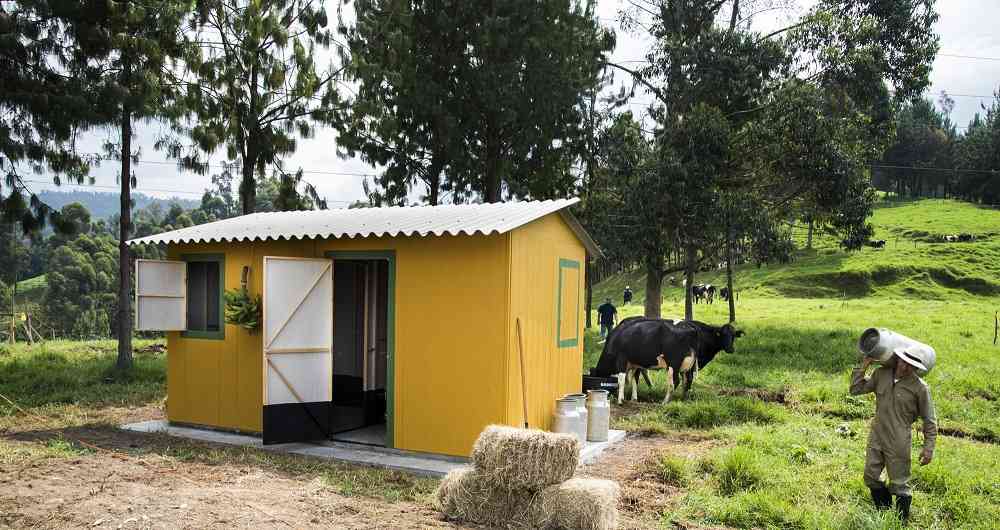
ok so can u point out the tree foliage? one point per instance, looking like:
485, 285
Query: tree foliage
784, 121
480, 99
255, 84
82, 275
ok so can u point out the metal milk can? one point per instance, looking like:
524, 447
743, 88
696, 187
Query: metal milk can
566, 418
581, 409
880, 344
598, 415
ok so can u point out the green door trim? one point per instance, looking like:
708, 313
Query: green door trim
571, 342
390, 324
221, 260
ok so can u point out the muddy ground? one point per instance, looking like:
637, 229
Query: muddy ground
117, 479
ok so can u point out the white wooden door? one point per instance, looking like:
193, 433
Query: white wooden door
298, 341
160, 295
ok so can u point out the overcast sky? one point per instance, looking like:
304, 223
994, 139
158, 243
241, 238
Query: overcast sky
968, 28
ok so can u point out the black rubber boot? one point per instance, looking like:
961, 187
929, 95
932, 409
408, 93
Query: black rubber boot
903, 507
881, 498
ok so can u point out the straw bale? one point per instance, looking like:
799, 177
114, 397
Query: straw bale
579, 503
530, 459
464, 495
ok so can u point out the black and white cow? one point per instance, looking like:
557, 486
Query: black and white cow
680, 347
703, 292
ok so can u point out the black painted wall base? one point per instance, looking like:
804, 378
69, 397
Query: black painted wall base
296, 422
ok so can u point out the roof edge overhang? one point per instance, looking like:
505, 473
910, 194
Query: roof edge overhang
194, 234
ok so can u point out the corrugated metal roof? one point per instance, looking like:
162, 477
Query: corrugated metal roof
468, 219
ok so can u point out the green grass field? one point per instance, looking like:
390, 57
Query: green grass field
797, 463
32, 290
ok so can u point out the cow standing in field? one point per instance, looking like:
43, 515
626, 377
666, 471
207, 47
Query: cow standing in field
703, 293
680, 347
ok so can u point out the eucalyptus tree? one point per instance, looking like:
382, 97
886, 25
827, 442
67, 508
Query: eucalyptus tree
863, 55
256, 83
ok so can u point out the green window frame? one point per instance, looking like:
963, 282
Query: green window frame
575, 340
221, 260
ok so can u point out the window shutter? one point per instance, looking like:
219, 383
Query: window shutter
160, 295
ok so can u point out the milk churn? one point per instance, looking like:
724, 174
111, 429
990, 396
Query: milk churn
581, 409
881, 343
566, 418
598, 416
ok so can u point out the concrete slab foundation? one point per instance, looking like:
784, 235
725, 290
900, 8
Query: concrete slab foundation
411, 462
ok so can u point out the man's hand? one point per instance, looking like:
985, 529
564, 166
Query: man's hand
866, 362
926, 457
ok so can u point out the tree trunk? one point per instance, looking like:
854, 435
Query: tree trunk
729, 274
491, 187
589, 290
689, 263
654, 282
434, 180
124, 263
809, 236
492, 191
248, 186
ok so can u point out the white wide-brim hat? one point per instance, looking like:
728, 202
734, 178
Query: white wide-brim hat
911, 359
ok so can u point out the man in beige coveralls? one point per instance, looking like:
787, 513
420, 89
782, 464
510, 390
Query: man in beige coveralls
900, 397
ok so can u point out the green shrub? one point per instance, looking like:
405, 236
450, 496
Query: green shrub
739, 470
672, 470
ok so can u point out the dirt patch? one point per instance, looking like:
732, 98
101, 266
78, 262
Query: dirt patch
644, 499
985, 437
761, 394
100, 491
120, 479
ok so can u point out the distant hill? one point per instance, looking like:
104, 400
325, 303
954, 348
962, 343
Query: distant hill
916, 262
102, 204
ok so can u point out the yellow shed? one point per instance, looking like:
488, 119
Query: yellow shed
388, 326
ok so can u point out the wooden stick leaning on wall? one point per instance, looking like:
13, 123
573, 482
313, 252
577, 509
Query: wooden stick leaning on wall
524, 382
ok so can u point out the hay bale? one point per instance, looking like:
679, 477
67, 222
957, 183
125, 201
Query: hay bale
579, 503
529, 459
465, 495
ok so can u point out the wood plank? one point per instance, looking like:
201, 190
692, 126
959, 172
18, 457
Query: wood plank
298, 350
302, 300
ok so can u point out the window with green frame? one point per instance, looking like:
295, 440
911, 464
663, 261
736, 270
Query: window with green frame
568, 304
205, 284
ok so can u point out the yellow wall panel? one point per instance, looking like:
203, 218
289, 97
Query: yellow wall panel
551, 317
450, 376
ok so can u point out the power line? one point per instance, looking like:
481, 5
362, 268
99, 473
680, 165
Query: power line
952, 169
139, 189
980, 58
223, 166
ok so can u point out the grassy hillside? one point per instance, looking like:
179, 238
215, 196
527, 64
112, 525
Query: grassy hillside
787, 441
32, 290
914, 265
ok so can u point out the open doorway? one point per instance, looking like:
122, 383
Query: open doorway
360, 351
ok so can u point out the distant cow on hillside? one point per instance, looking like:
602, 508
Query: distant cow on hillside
703, 293
876, 243
680, 347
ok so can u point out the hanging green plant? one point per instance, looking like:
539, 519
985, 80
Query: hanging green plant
242, 310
